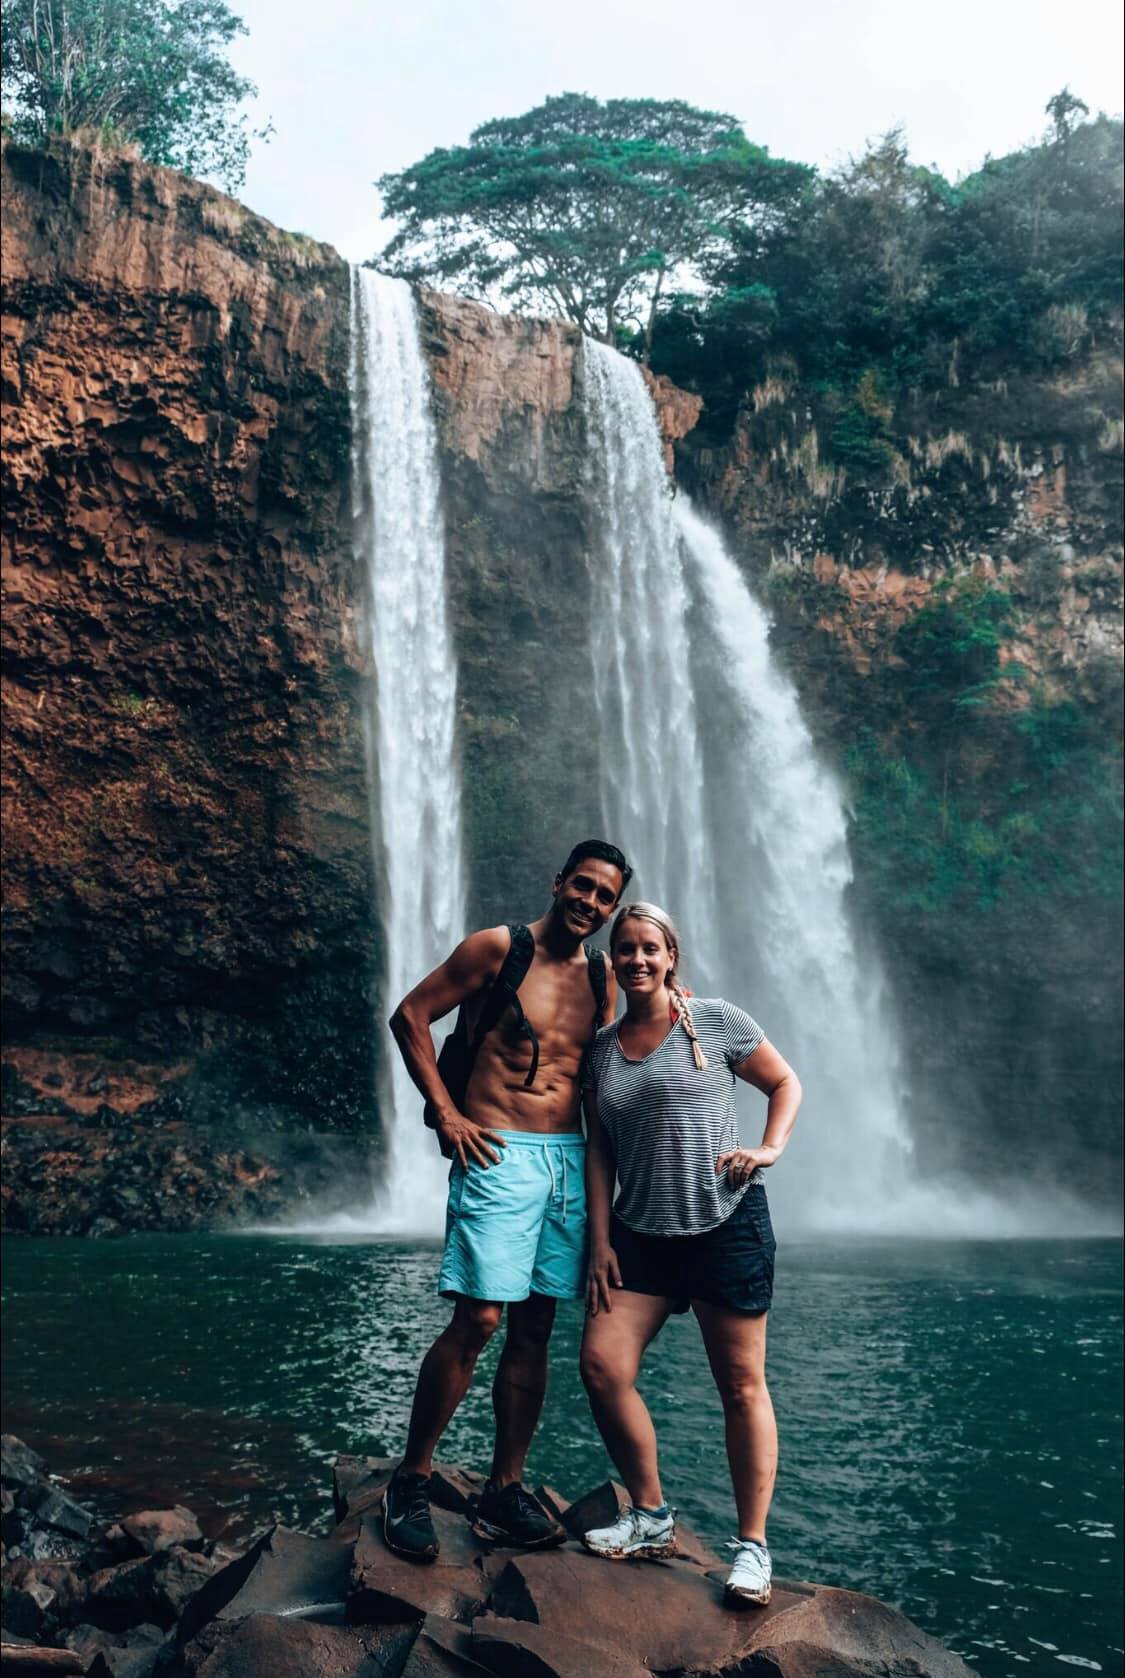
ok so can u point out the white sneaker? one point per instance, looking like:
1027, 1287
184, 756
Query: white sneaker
749, 1578
635, 1533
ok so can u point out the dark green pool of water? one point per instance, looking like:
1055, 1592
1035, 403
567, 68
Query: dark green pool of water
950, 1414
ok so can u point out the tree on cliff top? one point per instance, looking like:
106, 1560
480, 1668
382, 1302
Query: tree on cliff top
582, 207
152, 72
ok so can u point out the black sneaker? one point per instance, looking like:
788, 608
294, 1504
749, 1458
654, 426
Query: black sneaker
513, 1516
408, 1527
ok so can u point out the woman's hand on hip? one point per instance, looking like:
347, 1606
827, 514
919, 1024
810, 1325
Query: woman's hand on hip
741, 1163
602, 1274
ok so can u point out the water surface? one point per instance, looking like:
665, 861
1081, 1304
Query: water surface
950, 1413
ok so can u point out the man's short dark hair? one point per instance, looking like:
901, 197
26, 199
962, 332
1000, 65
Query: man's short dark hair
604, 852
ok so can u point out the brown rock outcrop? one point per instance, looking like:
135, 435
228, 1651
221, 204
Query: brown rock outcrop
280, 1606
187, 863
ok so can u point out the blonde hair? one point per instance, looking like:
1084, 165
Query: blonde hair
661, 918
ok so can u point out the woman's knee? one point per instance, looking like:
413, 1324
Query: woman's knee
601, 1372
742, 1389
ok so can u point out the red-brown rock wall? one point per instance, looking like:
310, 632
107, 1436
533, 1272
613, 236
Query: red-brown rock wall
187, 861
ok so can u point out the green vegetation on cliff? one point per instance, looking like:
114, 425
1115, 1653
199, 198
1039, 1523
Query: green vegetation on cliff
887, 280
152, 73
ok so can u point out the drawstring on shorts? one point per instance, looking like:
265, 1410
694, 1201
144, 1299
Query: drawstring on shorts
549, 1157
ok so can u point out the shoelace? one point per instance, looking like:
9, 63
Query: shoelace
417, 1501
525, 1503
750, 1544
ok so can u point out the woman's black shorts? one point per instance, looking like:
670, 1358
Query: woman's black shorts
730, 1265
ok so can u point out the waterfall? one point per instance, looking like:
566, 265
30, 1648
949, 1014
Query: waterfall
413, 775
643, 687
712, 786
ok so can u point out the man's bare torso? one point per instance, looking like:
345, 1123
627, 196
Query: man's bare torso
558, 999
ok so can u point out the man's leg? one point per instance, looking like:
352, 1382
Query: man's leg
736, 1349
444, 1378
520, 1385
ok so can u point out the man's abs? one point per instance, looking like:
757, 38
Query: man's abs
499, 1097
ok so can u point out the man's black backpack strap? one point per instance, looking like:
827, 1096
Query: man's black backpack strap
504, 995
598, 982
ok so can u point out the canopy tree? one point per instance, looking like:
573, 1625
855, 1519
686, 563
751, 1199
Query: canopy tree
148, 71
583, 208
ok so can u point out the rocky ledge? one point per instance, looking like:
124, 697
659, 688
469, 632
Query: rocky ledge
148, 1597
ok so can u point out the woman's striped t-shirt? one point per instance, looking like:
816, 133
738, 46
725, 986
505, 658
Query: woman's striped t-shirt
667, 1122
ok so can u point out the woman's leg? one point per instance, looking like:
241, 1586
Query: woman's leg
736, 1349
611, 1356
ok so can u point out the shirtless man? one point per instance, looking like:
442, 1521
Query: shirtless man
515, 1229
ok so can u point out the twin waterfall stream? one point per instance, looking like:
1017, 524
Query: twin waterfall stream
709, 781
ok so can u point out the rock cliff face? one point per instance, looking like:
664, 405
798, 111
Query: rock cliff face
1010, 494
187, 854
193, 957
192, 953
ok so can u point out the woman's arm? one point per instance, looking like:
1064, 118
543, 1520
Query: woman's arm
771, 1073
602, 1272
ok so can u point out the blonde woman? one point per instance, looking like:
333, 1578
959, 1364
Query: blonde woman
690, 1227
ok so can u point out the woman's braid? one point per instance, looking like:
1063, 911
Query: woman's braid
683, 1009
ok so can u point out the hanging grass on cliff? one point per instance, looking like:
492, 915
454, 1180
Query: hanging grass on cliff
152, 73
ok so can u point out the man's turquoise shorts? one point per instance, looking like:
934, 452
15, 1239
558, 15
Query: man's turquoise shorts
518, 1227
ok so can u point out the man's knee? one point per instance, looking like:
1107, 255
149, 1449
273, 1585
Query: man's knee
530, 1322
474, 1323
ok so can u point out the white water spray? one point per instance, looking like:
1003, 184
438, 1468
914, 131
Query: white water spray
713, 787
643, 690
413, 773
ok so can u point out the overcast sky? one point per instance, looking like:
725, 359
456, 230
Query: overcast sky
359, 87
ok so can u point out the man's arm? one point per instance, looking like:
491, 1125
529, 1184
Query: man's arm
473, 965
771, 1073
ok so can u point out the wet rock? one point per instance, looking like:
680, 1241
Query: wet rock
452, 1488
358, 1483
283, 1573
180, 1576
131, 1654
384, 1588
38, 1595
853, 1635
53, 1508
117, 1598
521, 1649
154, 1530
597, 1508
667, 1615
442, 1649
267, 1646
23, 1606
30, 1661
671, 1616
20, 1466
153, 1588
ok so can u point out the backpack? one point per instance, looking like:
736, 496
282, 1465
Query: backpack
459, 1051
